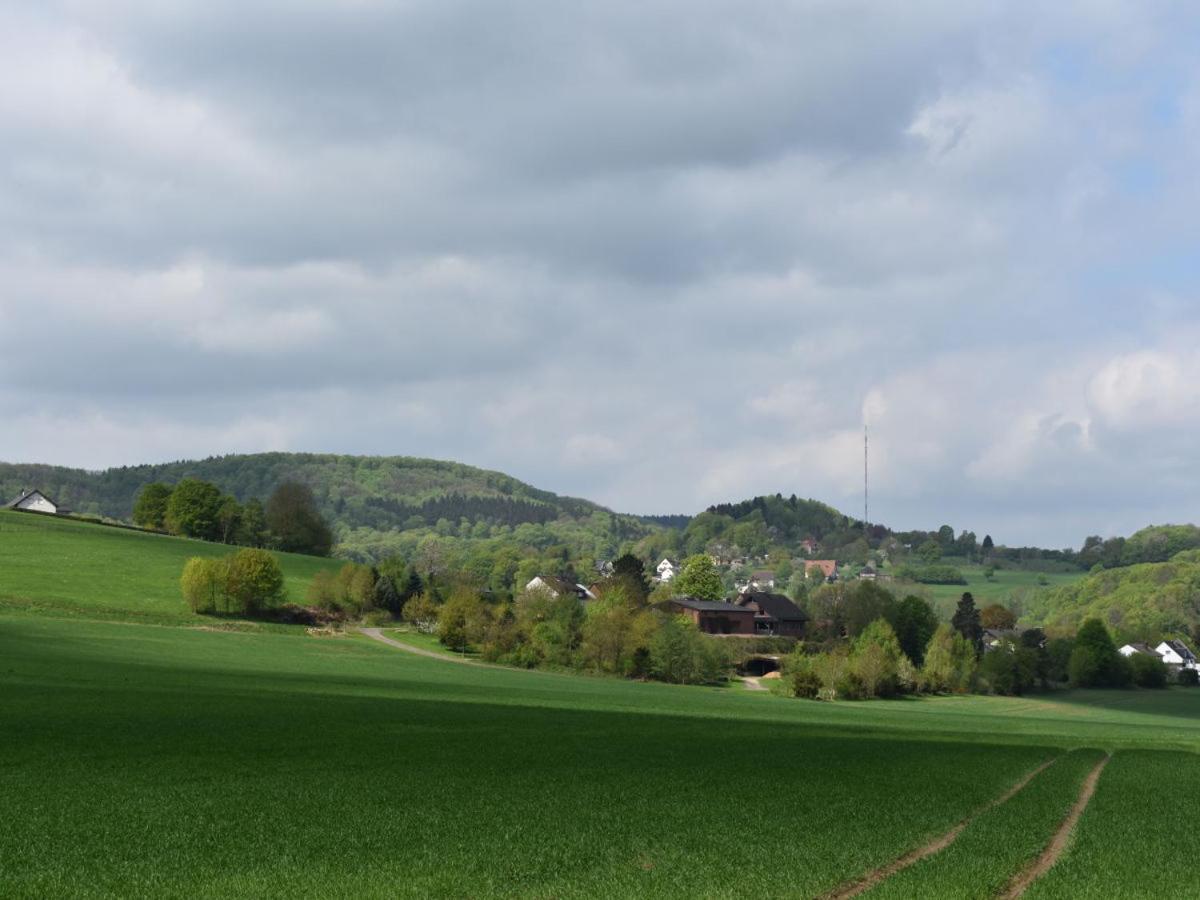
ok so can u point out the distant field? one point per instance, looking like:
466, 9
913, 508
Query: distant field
66, 567
150, 760
1005, 586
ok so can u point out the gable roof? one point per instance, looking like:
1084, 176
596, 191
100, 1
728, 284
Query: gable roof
775, 606
827, 566
26, 494
563, 586
1142, 648
762, 575
708, 605
1181, 648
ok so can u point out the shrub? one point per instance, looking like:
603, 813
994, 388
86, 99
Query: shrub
1189, 677
1148, 671
875, 660
422, 613
323, 591
802, 675
1008, 669
949, 662
203, 583
680, 654
1095, 661
254, 580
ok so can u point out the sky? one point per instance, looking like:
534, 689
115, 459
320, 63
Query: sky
657, 254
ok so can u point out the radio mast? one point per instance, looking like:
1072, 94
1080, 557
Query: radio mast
866, 482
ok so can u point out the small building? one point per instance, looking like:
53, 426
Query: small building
868, 573
828, 567
809, 546
1137, 647
774, 614
35, 501
1177, 653
762, 580
715, 617
558, 587
667, 569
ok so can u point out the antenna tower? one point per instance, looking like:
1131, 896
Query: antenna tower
866, 481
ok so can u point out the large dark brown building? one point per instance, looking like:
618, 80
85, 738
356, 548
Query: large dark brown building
716, 617
774, 614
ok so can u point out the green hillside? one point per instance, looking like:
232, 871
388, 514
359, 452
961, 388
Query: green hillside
61, 566
1139, 602
372, 491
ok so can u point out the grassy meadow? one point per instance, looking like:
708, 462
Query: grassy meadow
59, 566
142, 758
1005, 586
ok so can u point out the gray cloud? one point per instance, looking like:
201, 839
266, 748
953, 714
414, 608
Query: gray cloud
660, 255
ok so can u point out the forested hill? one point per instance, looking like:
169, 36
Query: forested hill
379, 493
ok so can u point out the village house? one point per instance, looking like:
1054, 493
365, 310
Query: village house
774, 614
808, 546
667, 569
828, 567
558, 587
35, 501
1177, 653
715, 617
868, 573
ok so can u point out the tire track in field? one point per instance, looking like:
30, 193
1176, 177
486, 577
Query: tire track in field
1062, 837
871, 879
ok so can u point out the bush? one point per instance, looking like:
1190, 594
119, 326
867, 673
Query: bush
949, 662
422, 613
1189, 677
254, 580
680, 654
203, 583
1008, 670
1095, 661
1148, 671
801, 675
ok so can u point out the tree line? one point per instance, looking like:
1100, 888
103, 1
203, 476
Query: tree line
289, 521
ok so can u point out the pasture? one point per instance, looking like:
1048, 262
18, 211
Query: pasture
153, 760
60, 566
1007, 585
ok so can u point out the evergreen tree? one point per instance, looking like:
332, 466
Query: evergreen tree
966, 621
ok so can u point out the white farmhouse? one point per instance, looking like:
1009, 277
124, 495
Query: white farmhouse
34, 501
1177, 653
667, 569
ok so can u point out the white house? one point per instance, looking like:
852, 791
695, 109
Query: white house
1131, 649
667, 569
557, 587
1177, 653
34, 501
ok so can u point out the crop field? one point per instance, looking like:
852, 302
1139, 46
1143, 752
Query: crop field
65, 567
152, 760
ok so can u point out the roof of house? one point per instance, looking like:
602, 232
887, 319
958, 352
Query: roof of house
562, 585
26, 494
762, 575
1181, 648
709, 605
828, 566
1142, 648
777, 606
867, 570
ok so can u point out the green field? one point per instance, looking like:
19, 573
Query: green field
1004, 587
61, 566
142, 758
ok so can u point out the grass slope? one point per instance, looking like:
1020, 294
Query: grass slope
1005, 586
150, 760
65, 567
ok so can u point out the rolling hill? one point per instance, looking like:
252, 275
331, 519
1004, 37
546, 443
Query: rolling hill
380, 492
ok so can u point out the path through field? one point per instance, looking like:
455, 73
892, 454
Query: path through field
1058, 843
378, 635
